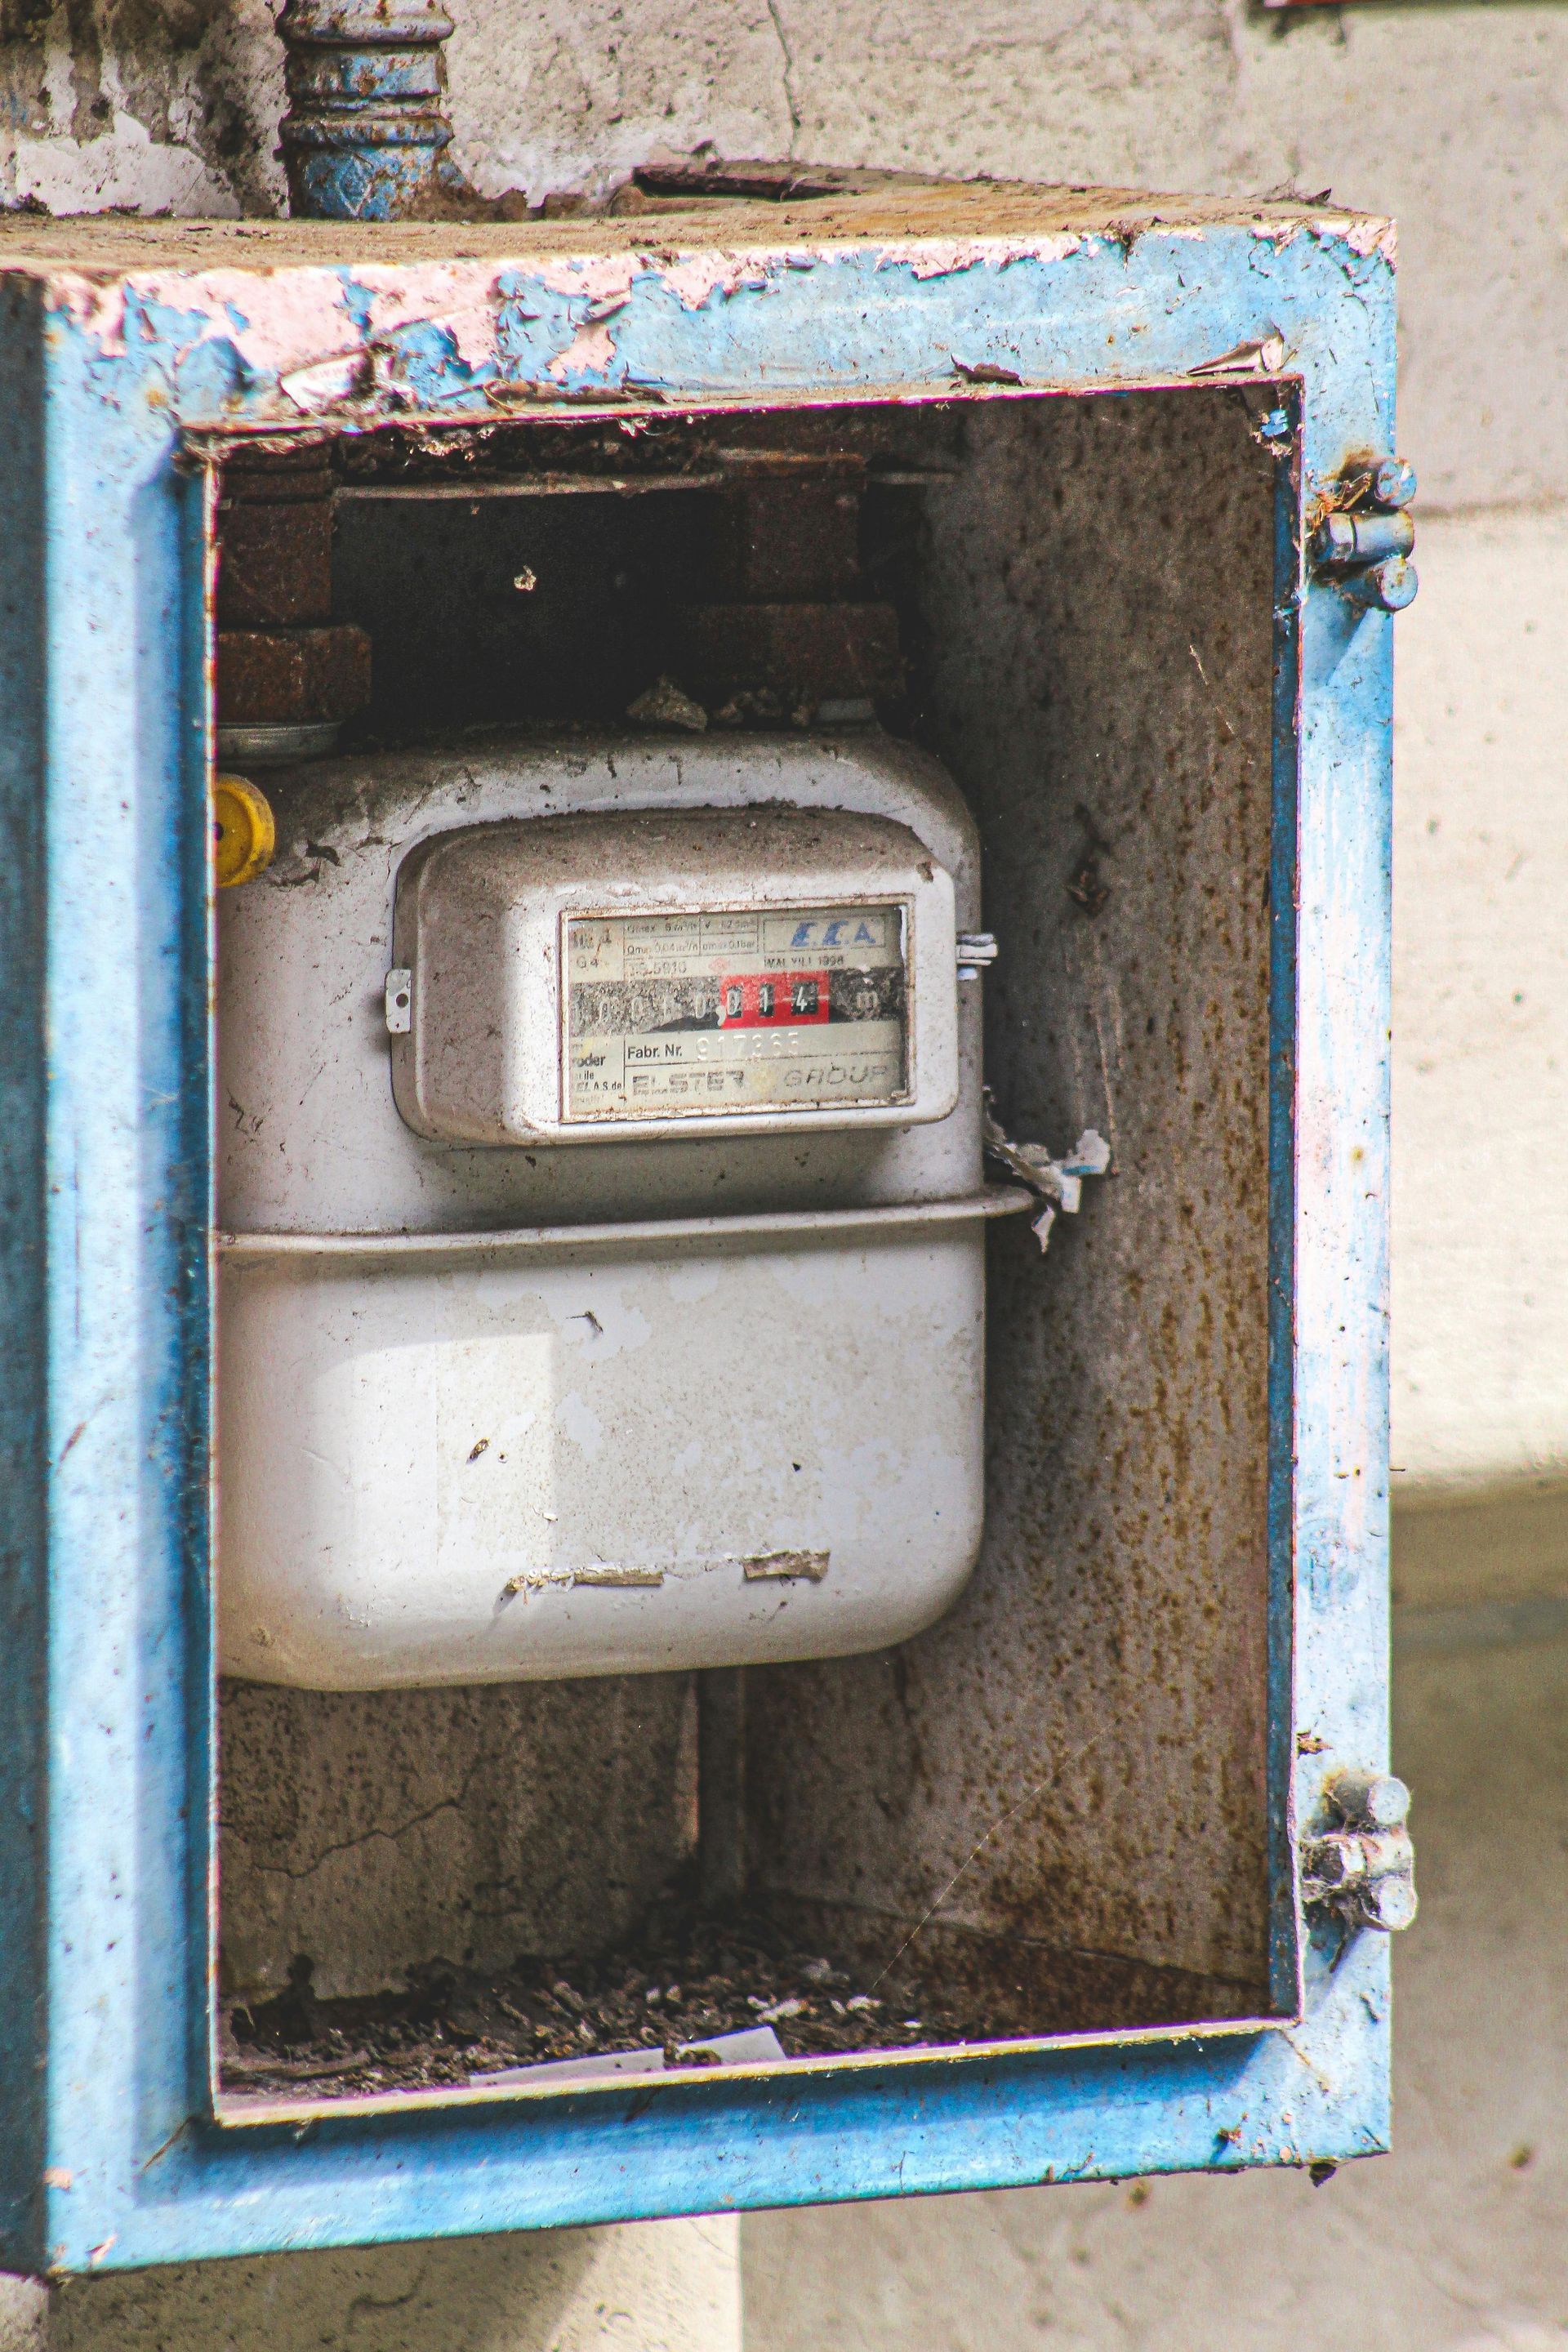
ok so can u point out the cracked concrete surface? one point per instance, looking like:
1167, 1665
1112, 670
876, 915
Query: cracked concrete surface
151, 105
373, 1829
787, 76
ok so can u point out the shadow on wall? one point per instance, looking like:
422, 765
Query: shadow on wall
1461, 2230
1485, 1566
663, 2287
464, 2296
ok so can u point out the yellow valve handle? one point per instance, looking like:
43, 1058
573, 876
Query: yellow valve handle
244, 834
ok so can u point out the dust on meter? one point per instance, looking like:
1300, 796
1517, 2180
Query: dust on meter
638, 1321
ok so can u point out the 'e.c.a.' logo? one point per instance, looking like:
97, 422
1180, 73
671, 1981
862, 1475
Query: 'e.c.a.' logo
837, 931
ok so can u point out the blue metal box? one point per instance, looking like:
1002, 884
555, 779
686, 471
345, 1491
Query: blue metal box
134, 354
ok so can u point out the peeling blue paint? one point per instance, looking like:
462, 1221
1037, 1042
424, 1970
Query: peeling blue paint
856, 318
102, 796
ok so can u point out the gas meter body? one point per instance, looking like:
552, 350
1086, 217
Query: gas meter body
625, 1310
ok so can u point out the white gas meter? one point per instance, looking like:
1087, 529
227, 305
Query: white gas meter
587, 979
603, 1265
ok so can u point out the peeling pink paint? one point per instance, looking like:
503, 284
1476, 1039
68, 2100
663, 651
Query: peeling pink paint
600, 277
696, 278
464, 298
297, 322
283, 319
295, 325
99, 310
1365, 235
1372, 236
591, 352
290, 315
942, 256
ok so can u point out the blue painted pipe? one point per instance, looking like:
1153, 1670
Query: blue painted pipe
366, 125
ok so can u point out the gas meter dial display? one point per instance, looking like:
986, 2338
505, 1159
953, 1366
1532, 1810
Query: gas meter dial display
581, 979
746, 1008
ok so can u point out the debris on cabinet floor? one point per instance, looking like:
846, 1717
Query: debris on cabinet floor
672, 1998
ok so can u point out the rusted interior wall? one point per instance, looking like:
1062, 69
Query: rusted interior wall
374, 1829
1097, 598
1086, 605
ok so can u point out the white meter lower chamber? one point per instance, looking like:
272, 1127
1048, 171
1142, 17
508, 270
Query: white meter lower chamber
602, 1262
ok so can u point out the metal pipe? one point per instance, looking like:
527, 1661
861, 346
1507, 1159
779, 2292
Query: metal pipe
366, 126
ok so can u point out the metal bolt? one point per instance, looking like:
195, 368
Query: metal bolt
1365, 1872
1332, 1862
1333, 541
1389, 1903
1373, 1800
1355, 538
1386, 1853
1392, 482
1388, 587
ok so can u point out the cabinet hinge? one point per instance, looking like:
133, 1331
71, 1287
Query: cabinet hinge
1362, 546
1365, 1869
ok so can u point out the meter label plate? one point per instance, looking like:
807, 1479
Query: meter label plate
771, 1008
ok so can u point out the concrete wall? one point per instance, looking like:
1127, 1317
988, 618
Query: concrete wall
659, 2286
1455, 119
1480, 1096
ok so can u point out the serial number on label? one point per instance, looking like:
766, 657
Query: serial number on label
774, 1008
